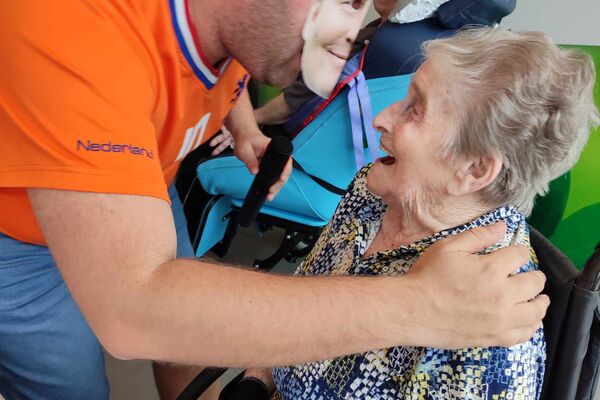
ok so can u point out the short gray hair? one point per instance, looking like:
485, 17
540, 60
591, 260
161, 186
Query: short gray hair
521, 96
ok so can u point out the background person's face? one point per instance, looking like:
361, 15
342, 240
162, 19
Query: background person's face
329, 32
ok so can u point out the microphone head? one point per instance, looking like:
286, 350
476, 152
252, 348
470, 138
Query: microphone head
276, 156
282, 145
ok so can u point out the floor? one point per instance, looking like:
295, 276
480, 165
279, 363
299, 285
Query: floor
132, 380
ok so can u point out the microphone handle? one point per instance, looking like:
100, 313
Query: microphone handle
271, 166
255, 199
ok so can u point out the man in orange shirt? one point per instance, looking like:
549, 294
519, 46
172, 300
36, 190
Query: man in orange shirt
99, 102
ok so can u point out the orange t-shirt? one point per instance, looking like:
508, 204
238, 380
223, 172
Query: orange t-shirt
101, 96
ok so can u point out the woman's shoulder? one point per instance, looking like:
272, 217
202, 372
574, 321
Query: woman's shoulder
517, 232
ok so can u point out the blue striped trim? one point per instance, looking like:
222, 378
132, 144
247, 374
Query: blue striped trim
184, 48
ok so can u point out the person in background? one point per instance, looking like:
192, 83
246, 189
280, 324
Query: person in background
279, 109
394, 48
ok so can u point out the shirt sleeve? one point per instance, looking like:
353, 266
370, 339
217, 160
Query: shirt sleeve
76, 100
515, 372
478, 373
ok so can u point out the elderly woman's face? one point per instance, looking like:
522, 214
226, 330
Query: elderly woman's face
412, 133
329, 32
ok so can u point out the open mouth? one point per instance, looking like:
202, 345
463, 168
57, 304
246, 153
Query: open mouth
387, 160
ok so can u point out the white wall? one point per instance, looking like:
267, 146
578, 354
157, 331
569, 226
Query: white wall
371, 15
566, 21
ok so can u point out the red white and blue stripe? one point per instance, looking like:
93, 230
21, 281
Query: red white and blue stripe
188, 41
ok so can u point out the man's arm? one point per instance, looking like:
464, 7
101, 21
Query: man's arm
274, 112
116, 254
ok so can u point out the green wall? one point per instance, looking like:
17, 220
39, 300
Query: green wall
569, 214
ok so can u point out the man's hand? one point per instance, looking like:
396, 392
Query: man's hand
250, 148
471, 300
250, 143
221, 141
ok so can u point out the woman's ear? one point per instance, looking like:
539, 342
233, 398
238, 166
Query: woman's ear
474, 174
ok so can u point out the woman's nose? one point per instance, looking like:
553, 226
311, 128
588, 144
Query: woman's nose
381, 122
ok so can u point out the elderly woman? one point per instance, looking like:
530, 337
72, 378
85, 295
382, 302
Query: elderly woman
490, 119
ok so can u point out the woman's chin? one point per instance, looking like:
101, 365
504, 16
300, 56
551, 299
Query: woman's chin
377, 178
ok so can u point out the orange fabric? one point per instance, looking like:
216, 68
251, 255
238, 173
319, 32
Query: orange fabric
97, 96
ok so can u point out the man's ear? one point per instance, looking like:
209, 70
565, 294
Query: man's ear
474, 174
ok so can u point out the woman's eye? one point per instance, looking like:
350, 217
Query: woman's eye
410, 107
411, 110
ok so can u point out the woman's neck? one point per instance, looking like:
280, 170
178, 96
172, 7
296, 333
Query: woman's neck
401, 226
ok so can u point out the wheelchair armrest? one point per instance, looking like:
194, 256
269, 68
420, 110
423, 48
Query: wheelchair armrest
590, 372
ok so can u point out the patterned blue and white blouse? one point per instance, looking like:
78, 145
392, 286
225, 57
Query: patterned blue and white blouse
408, 372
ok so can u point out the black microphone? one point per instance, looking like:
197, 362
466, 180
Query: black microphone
271, 166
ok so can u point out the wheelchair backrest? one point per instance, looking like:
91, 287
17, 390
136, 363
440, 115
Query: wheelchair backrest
571, 325
560, 273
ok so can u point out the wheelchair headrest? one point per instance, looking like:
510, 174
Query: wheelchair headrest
458, 13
